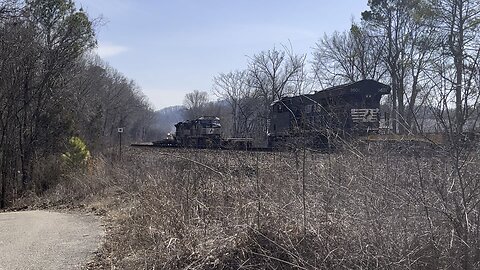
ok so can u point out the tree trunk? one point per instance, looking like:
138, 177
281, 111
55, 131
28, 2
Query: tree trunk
458, 50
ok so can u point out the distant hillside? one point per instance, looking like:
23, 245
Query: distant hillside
166, 118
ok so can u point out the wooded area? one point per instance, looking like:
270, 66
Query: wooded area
51, 89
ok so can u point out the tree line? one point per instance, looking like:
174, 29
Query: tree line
427, 50
53, 88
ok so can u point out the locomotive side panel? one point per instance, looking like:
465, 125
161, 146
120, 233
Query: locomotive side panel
346, 110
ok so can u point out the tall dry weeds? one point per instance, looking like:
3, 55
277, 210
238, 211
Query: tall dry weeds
379, 208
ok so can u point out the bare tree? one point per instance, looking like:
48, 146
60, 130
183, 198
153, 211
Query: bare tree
408, 27
274, 74
195, 102
348, 57
235, 89
273, 71
459, 21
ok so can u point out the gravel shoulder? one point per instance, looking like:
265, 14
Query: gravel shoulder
48, 240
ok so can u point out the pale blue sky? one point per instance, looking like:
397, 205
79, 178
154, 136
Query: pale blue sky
173, 47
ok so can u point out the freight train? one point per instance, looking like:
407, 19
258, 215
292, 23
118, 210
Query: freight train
343, 111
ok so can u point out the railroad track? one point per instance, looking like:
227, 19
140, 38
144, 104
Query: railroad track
171, 146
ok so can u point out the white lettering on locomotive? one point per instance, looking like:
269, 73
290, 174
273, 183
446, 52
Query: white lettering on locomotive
364, 115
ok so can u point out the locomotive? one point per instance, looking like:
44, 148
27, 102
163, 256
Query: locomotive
204, 132
348, 110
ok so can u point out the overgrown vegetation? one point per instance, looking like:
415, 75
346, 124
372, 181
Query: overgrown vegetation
385, 207
52, 89
376, 206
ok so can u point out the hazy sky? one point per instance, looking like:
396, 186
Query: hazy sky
173, 47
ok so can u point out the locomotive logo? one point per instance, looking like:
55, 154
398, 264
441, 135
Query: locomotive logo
364, 115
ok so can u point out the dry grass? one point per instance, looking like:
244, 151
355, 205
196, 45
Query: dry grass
205, 209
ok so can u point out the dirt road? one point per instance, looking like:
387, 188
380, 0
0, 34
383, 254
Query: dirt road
47, 240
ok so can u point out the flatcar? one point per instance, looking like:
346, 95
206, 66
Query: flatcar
342, 111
